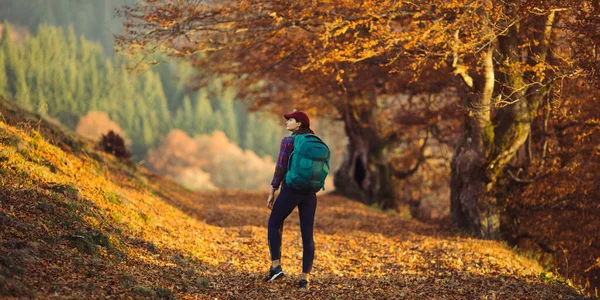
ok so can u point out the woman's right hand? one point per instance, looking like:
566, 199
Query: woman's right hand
271, 199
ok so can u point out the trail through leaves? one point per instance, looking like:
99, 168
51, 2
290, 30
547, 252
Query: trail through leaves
81, 224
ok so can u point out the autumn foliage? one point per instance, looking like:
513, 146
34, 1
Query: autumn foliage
176, 156
554, 199
209, 162
95, 124
80, 224
500, 62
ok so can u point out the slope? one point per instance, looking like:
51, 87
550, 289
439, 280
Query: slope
76, 223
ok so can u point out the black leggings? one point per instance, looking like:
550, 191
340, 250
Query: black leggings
287, 200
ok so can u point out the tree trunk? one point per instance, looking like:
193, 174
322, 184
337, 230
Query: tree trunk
487, 144
365, 173
472, 205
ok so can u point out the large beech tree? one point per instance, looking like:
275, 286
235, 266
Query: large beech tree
269, 46
501, 57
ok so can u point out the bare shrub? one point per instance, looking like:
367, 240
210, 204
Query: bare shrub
114, 144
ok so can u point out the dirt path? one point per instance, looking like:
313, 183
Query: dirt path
363, 253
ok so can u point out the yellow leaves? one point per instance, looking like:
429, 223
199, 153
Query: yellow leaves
220, 237
338, 77
592, 121
341, 30
276, 17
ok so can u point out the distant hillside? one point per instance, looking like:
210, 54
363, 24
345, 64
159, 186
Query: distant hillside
77, 223
72, 215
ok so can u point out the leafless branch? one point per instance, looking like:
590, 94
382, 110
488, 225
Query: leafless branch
517, 179
460, 69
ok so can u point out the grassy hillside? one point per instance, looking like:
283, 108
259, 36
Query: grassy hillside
82, 224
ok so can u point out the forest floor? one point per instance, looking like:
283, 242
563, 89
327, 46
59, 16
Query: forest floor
77, 223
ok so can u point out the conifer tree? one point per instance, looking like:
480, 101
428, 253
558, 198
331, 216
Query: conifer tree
72, 42
250, 132
22, 94
218, 121
69, 76
3, 77
204, 118
127, 110
148, 132
12, 64
172, 84
226, 101
187, 116
241, 116
160, 108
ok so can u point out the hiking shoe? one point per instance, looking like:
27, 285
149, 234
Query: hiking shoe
303, 284
274, 273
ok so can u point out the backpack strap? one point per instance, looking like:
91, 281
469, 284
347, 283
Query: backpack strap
289, 162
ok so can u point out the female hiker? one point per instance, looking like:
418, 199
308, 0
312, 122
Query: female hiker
298, 189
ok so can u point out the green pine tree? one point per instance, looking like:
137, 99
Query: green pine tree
148, 133
250, 132
22, 94
126, 104
72, 43
218, 121
227, 98
187, 116
172, 83
157, 102
13, 64
205, 120
242, 116
267, 137
3, 77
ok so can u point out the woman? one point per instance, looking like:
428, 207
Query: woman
288, 199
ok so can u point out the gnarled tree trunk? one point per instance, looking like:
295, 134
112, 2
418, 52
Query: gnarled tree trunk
472, 205
365, 173
488, 144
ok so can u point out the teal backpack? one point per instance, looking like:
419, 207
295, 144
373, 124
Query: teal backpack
309, 164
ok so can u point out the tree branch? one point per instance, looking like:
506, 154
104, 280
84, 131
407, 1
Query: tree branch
460, 69
517, 179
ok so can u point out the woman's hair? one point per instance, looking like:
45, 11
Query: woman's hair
305, 129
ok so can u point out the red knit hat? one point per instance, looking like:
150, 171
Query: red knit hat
299, 117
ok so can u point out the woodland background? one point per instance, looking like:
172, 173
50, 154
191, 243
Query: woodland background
60, 62
398, 123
